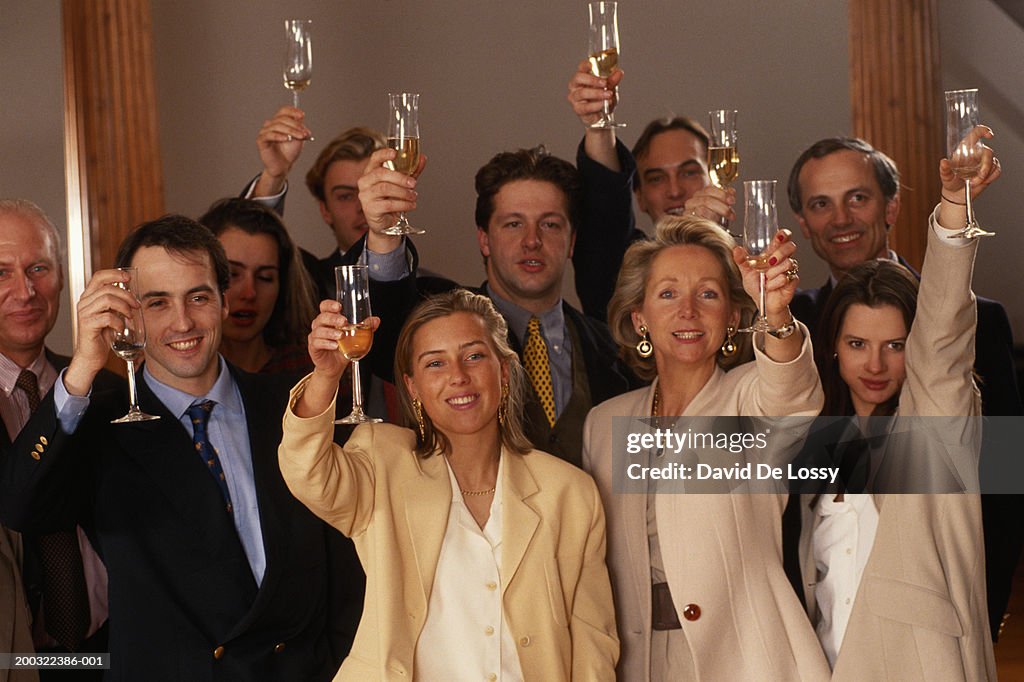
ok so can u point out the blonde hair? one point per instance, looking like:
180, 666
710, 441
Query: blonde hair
631, 286
510, 428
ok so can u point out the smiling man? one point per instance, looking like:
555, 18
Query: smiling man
216, 571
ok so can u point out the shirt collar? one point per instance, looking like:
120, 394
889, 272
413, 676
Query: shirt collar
552, 320
9, 371
224, 392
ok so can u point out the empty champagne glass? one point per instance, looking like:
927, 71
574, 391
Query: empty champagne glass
353, 283
603, 51
964, 158
760, 223
128, 344
404, 137
298, 58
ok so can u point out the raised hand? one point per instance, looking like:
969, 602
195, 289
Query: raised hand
279, 143
384, 193
781, 280
713, 203
101, 307
588, 93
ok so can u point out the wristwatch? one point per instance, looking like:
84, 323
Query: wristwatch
786, 330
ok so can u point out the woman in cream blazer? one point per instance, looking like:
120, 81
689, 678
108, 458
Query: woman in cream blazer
737, 617
406, 497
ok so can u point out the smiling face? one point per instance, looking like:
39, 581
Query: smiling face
528, 243
844, 213
255, 283
457, 376
30, 286
870, 353
673, 168
686, 307
340, 208
184, 313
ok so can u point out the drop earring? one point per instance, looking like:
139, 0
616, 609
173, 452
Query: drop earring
643, 347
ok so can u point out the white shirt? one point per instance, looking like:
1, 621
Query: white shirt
465, 636
841, 544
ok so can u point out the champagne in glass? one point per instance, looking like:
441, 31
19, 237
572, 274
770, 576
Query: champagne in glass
760, 223
404, 137
964, 157
603, 51
298, 59
353, 283
723, 152
128, 344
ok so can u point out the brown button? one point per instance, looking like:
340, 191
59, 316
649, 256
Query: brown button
279, 647
218, 653
524, 641
691, 612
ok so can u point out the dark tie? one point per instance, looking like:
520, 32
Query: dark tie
200, 415
65, 597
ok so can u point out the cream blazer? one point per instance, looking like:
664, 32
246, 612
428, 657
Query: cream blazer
722, 553
394, 505
920, 612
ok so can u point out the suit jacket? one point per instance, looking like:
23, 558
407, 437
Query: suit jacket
920, 610
555, 591
721, 552
183, 601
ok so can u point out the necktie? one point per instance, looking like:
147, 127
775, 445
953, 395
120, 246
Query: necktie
535, 359
65, 597
200, 415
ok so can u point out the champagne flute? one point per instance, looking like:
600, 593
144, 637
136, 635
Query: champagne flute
298, 58
760, 223
603, 51
353, 283
964, 158
404, 137
723, 153
128, 344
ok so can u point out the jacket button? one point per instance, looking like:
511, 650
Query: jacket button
218, 653
524, 641
691, 612
279, 647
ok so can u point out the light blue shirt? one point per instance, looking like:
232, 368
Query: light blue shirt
229, 434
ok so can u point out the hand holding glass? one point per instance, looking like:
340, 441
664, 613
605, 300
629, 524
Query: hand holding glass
298, 59
760, 223
964, 151
357, 336
128, 344
404, 137
603, 51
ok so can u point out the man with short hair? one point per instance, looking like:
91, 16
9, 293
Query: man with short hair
527, 208
845, 194
216, 571
58, 603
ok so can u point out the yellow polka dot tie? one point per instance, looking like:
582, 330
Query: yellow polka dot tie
535, 359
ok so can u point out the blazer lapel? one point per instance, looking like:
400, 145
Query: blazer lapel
634, 512
426, 519
519, 520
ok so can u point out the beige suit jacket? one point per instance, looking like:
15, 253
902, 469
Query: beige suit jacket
394, 505
722, 553
15, 622
920, 612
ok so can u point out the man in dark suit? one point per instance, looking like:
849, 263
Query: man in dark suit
845, 194
528, 205
216, 571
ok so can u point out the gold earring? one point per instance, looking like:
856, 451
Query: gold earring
417, 407
643, 347
728, 346
503, 405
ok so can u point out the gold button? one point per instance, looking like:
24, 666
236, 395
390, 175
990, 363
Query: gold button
492, 585
492, 677
39, 448
488, 630
279, 647
218, 653
35, 455
42, 439
524, 641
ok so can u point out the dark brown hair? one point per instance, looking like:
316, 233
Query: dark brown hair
181, 235
663, 125
527, 164
886, 173
355, 144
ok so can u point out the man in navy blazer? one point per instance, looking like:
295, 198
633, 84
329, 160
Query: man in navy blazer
845, 194
212, 577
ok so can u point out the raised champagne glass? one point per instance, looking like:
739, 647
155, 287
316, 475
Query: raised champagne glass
356, 336
298, 58
128, 344
964, 157
760, 223
723, 151
603, 52
404, 137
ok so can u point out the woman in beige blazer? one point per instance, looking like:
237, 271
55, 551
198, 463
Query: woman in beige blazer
918, 610
698, 579
484, 559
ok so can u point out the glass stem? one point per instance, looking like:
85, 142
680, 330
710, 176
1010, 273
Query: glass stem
357, 389
295, 98
762, 295
970, 204
133, 395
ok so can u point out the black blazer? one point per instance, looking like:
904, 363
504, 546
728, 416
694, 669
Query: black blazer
183, 601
